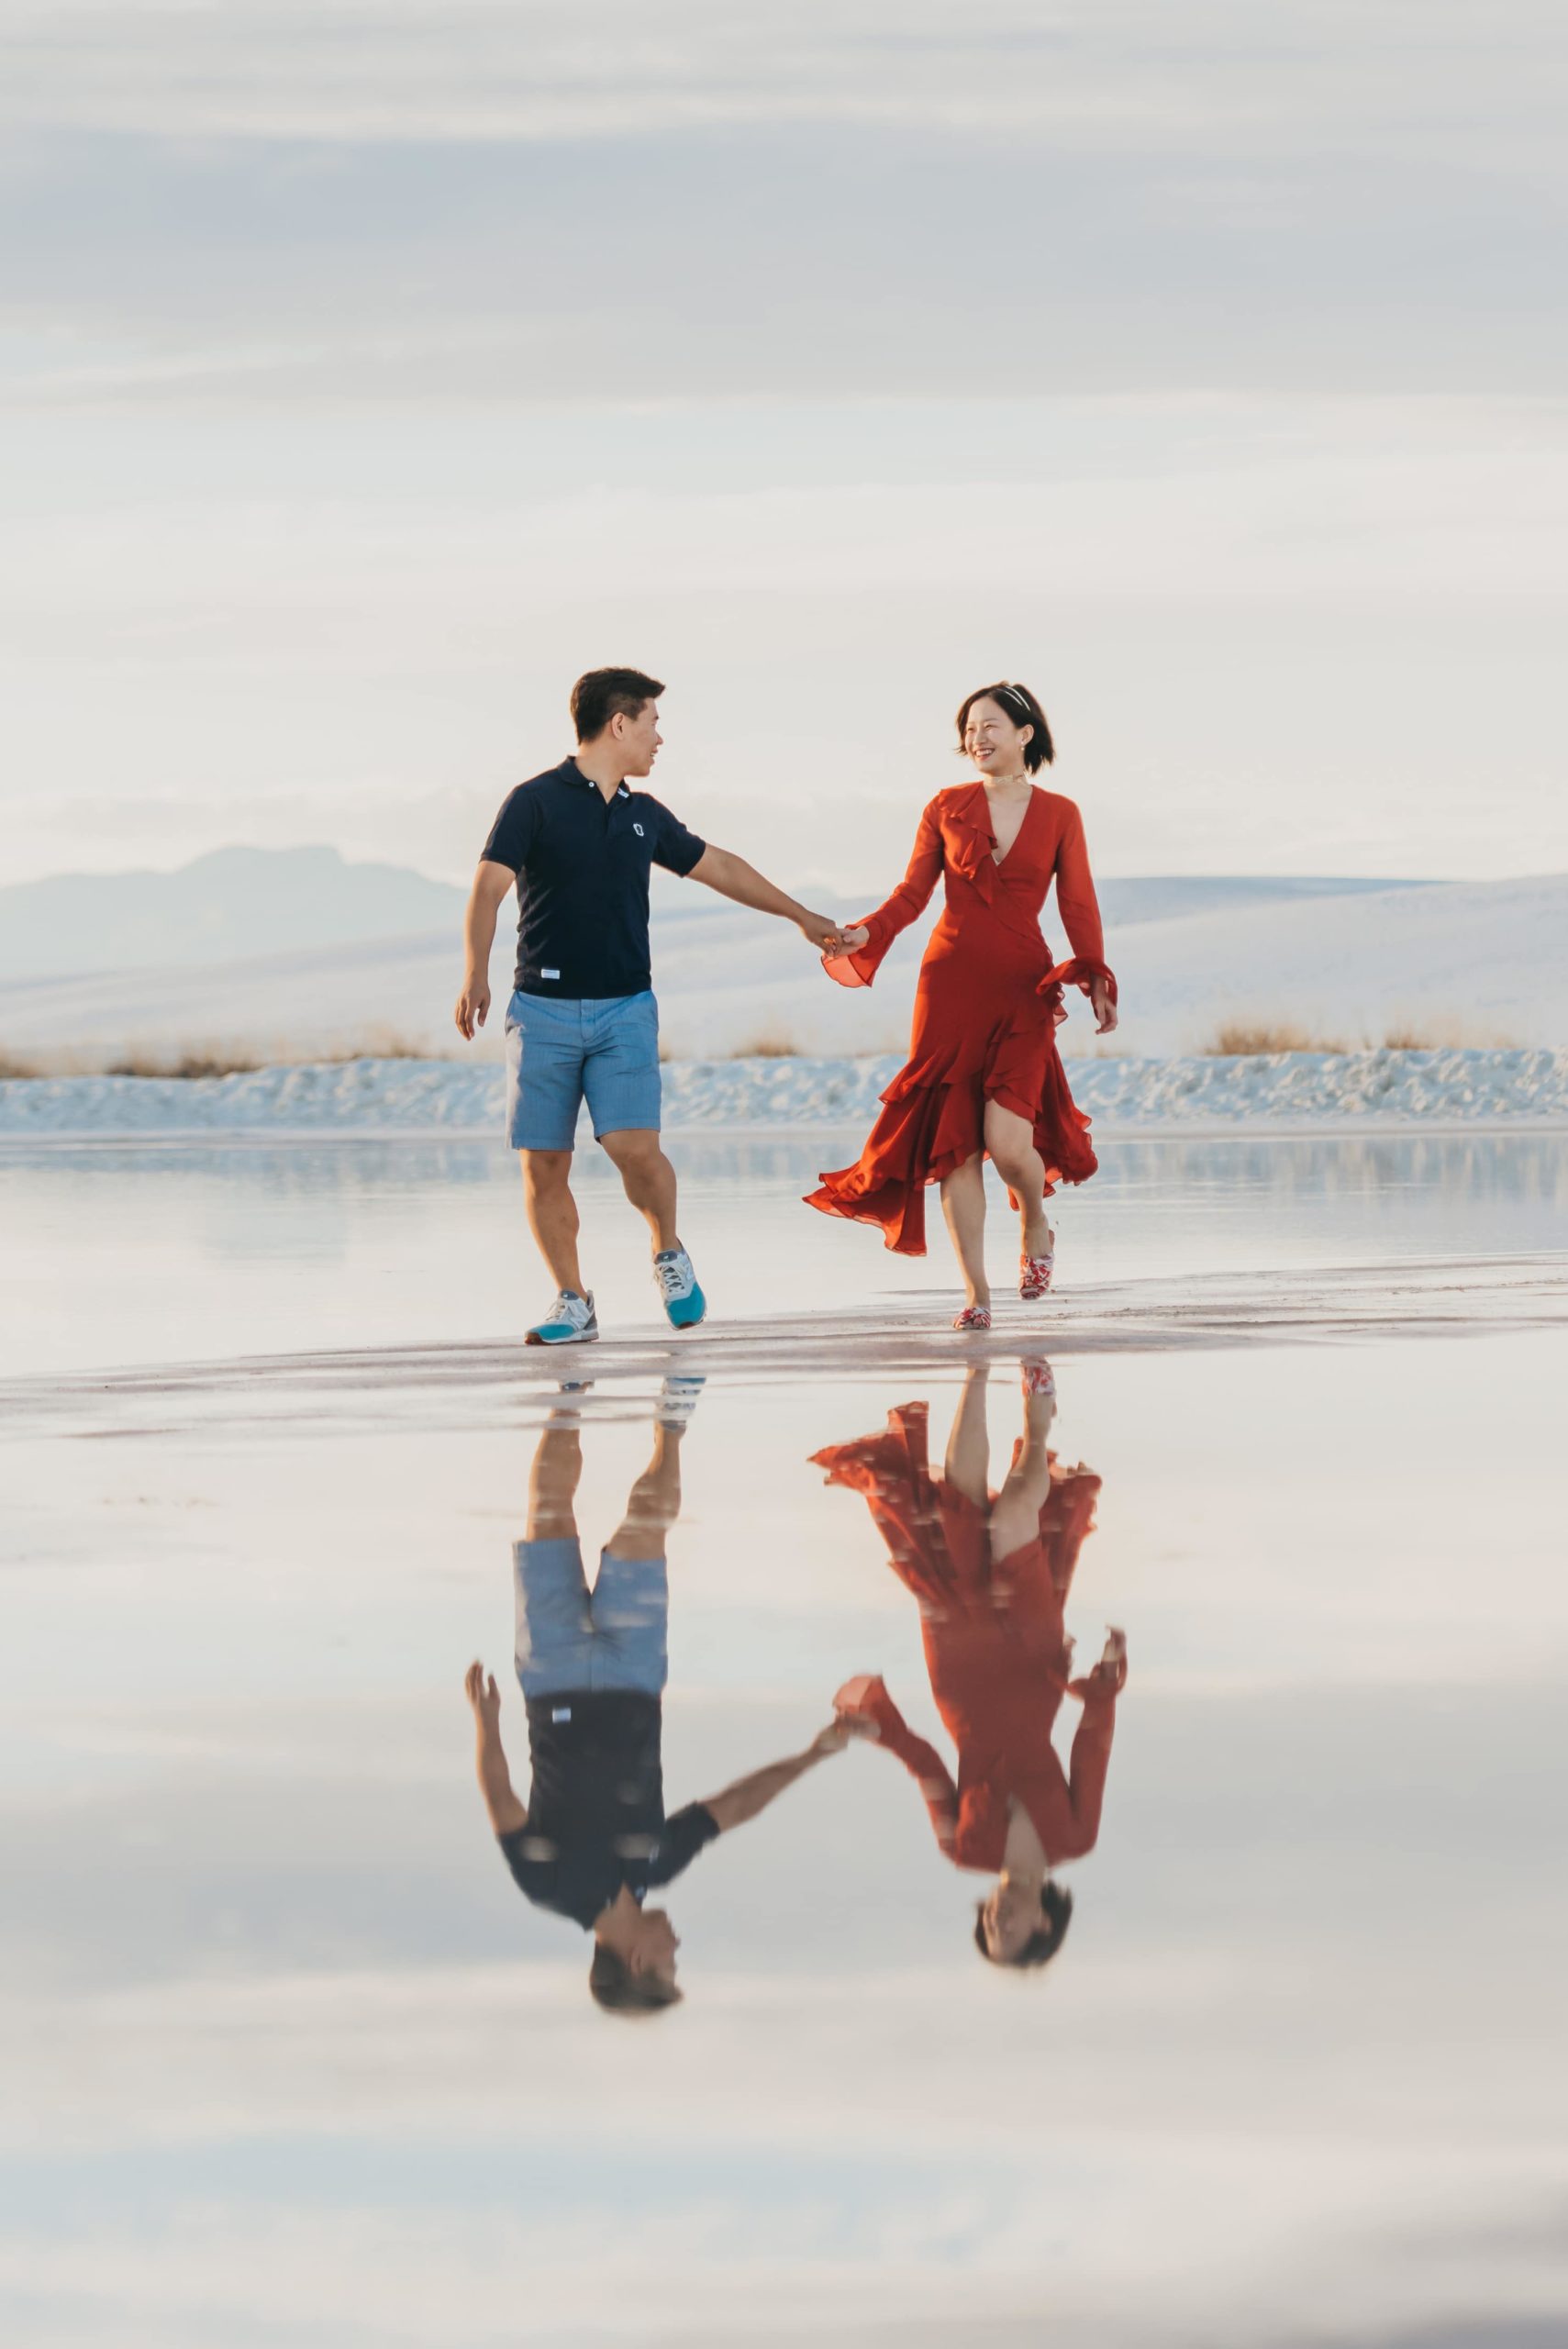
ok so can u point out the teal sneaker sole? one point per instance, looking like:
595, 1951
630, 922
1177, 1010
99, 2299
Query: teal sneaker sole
687, 1311
557, 1334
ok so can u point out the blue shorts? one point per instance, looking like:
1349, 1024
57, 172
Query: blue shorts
617, 1638
562, 1051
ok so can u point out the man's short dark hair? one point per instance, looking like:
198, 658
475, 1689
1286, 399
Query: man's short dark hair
603, 694
619, 1989
1056, 1914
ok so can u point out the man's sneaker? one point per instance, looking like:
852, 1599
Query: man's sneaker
678, 1400
684, 1303
570, 1320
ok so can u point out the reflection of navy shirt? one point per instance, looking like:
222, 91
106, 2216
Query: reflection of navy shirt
596, 1806
582, 864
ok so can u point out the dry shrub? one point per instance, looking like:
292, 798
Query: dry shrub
193, 1064
11, 1067
1444, 1035
771, 1046
193, 1061
1242, 1038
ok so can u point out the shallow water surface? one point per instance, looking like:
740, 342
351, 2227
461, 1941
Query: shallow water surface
114, 1255
295, 2058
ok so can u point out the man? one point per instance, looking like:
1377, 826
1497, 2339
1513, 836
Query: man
578, 841
592, 1838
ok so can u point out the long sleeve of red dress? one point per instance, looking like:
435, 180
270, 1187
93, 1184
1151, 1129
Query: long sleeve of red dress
907, 903
1080, 911
1087, 1770
922, 1761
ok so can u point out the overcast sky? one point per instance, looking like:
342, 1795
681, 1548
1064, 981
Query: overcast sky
370, 370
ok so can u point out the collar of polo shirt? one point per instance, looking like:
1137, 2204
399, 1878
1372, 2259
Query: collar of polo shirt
588, 784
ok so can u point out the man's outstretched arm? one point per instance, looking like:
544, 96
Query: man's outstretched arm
748, 1796
730, 874
491, 883
506, 1813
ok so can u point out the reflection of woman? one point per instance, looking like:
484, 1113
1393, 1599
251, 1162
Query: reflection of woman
983, 1076
992, 1572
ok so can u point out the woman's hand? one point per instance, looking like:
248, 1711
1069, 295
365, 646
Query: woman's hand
1103, 1006
851, 941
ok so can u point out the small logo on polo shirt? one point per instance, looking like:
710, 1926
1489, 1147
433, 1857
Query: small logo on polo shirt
549, 975
638, 830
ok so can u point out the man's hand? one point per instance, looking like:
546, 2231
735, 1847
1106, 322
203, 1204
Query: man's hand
825, 935
473, 1004
479, 1688
831, 1739
1104, 1008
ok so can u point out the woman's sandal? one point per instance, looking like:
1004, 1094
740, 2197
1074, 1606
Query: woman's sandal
1034, 1273
973, 1317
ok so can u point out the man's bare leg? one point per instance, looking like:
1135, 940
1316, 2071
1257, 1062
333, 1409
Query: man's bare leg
653, 1503
648, 1178
552, 1214
553, 1479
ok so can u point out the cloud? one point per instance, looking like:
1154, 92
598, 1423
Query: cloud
1117, 72
288, 205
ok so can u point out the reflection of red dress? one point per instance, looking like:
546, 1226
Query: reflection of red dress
996, 1648
985, 1011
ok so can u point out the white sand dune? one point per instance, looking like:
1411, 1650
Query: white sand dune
1465, 963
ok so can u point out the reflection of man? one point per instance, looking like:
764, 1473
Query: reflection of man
594, 1839
992, 1571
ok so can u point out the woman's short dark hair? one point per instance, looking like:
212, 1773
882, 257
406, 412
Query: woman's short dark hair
1055, 1906
620, 1991
1024, 710
603, 694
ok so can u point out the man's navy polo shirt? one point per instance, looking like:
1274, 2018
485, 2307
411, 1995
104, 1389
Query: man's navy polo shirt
582, 866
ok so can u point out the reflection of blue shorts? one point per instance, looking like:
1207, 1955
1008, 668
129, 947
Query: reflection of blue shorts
617, 1638
561, 1049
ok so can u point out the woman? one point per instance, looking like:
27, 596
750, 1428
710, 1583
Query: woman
991, 1572
983, 1076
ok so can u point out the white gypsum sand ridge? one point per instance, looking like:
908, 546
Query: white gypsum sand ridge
414, 1097
1460, 963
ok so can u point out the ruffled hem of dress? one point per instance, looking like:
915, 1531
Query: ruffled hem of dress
933, 1120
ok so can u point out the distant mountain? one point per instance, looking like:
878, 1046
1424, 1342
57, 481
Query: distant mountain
1462, 961
239, 904
228, 907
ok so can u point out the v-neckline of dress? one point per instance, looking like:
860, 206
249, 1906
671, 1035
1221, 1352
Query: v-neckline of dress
1029, 810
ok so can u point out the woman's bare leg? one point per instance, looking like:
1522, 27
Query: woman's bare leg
963, 1204
967, 1466
1015, 1520
1010, 1141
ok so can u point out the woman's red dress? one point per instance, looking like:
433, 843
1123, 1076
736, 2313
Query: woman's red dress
986, 1010
996, 1649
